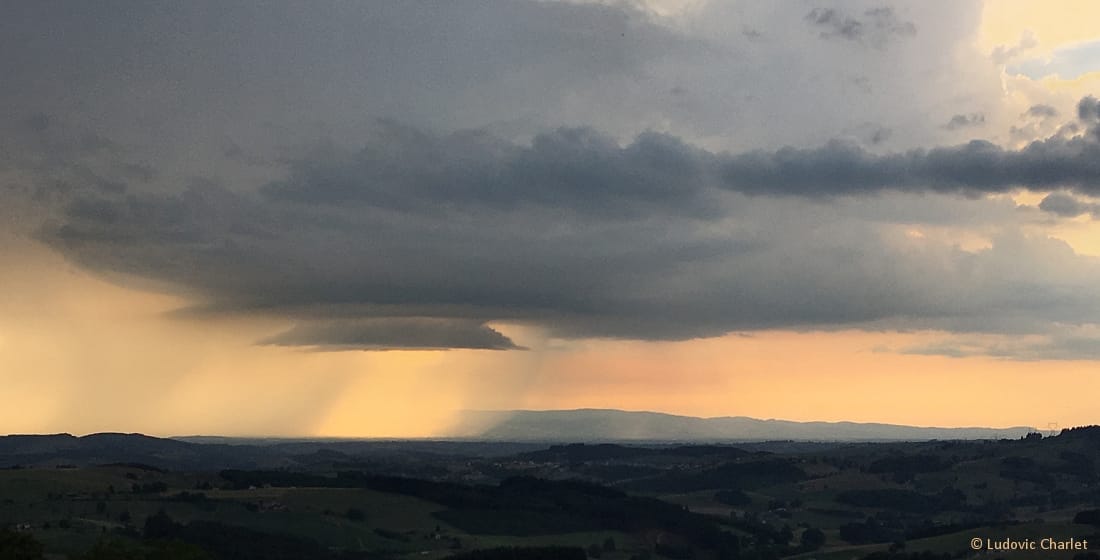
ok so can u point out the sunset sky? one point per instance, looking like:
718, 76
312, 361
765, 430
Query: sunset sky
358, 218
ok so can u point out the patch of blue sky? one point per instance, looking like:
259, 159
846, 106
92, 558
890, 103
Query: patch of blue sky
1066, 63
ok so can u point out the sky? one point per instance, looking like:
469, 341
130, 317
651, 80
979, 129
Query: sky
361, 218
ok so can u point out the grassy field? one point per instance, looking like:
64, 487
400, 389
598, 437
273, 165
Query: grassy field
861, 497
70, 509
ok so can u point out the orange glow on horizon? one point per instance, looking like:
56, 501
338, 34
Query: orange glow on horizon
835, 376
107, 359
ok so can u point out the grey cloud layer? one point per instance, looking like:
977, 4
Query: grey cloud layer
976, 167
1069, 345
876, 25
1042, 111
418, 240
571, 169
965, 121
180, 76
1067, 206
584, 171
587, 230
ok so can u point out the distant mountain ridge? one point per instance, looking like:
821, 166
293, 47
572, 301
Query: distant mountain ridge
479, 433
214, 453
589, 424
110, 447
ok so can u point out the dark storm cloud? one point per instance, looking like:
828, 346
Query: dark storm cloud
394, 334
965, 121
39, 142
1067, 206
184, 82
400, 236
879, 135
187, 79
973, 168
1042, 111
582, 171
577, 170
1088, 111
49, 161
876, 26
418, 240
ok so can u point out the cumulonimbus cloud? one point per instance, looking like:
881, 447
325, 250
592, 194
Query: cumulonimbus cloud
418, 240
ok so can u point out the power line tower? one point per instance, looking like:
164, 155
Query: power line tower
1052, 429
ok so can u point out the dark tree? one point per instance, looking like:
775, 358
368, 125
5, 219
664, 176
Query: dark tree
113, 549
19, 546
176, 550
1087, 517
812, 539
